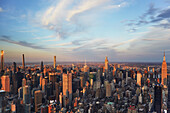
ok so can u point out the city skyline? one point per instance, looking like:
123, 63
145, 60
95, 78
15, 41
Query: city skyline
123, 30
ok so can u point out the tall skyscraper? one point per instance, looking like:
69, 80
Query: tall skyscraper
37, 100
2, 60
23, 62
42, 66
157, 99
15, 67
5, 81
26, 94
106, 64
108, 90
164, 71
67, 87
54, 62
139, 78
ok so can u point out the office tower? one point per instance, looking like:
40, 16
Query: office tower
42, 66
2, 95
23, 62
57, 91
15, 67
37, 100
67, 87
26, 94
44, 83
157, 99
24, 82
5, 81
106, 64
148, 69
61, 99
52, 78
82, 82
2, 60
139, 78
164, 71
54, 62
108, 90
85, 67
27, 108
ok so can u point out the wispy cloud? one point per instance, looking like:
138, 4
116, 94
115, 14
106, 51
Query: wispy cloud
21, 43
153, 16
28, 31
64, 17
83, 6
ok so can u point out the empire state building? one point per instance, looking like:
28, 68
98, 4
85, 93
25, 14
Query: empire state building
164, 71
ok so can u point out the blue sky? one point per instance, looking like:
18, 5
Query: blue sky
75, 30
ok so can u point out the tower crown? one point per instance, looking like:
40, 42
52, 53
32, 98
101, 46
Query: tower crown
164, 56
2, 52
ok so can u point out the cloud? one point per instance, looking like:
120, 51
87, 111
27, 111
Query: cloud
84, 6
28, 31
21, 43
165, 13
152, 16
68, 18
1, 10
123, 43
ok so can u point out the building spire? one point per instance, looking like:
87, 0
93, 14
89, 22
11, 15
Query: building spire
164, 56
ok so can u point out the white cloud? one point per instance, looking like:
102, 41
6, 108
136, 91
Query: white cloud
84, 6
59, 16
1, 10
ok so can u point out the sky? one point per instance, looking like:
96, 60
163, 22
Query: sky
75, 30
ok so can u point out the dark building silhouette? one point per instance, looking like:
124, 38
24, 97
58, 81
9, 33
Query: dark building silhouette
157, 98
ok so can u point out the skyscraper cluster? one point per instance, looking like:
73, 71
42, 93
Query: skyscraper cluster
84, 88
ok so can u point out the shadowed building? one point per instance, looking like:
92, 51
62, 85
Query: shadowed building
157, 99
164, 71
15, 67
42, 66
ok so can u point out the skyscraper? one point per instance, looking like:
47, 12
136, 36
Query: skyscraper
106, 64
67, 87
54, 62
2, 60
26, 94
108, 90
5, 81
139, 78
42, 66
164, 71
15, 67
157, 99
37, 100
23, 62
